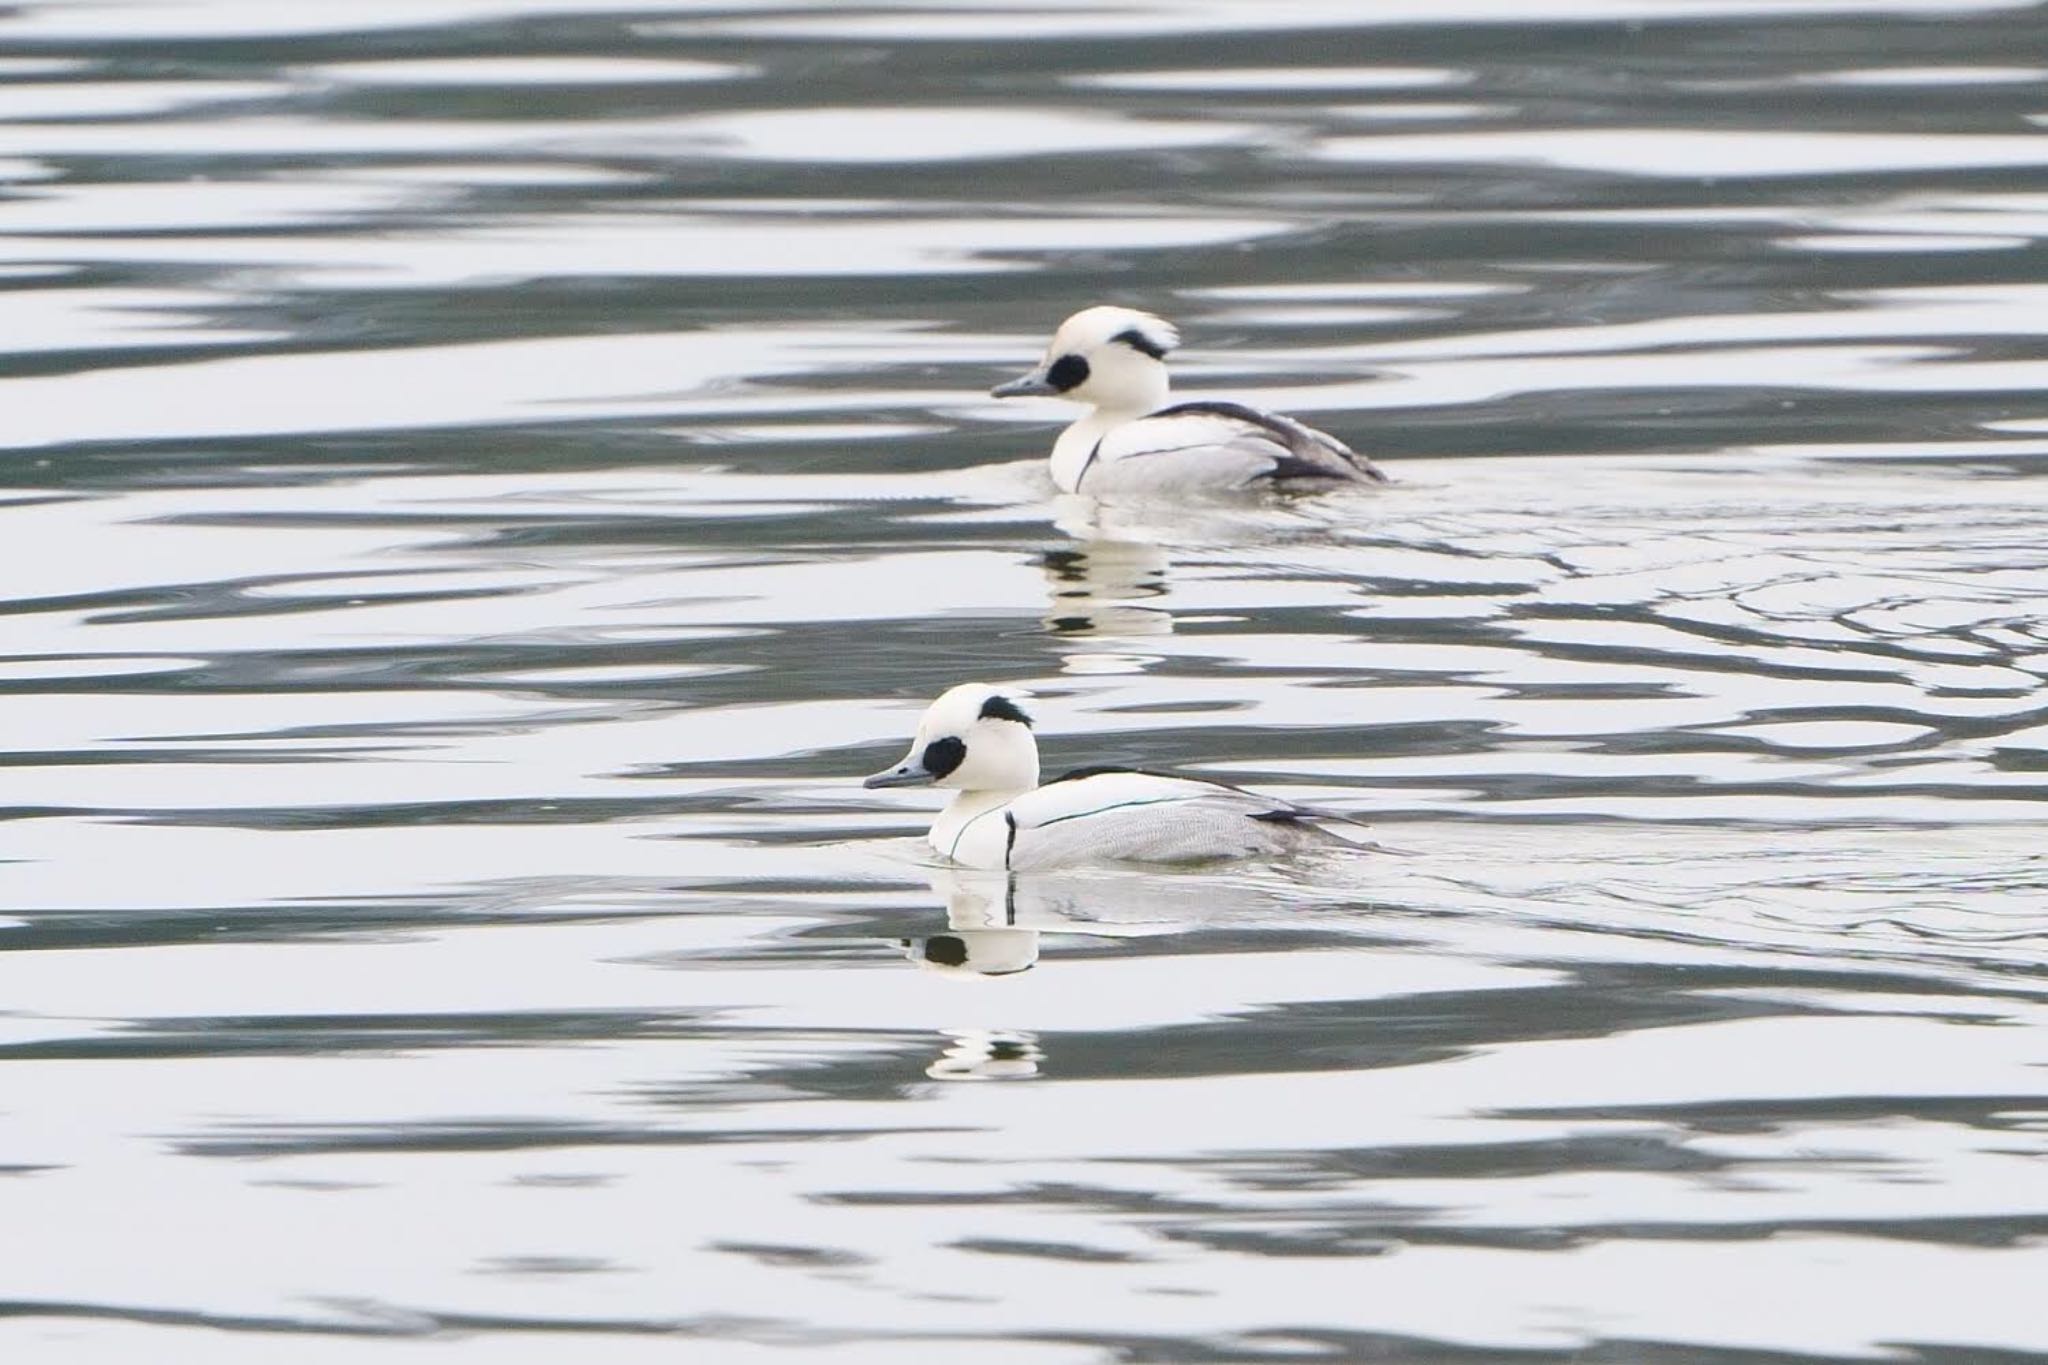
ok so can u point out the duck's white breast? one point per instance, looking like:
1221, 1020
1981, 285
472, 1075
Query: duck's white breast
973, 837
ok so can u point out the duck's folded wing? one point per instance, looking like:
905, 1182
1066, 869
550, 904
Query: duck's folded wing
1103, 815
1230, 443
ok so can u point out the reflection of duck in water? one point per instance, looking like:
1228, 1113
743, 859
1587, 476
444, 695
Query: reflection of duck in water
985, 933
988, 1055
1115, 577
983, 938
994, 920
993, 924
1114, 360
978, 742
1107, 587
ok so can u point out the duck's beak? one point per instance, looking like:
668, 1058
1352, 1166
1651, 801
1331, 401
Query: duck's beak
904, 774
1033, 385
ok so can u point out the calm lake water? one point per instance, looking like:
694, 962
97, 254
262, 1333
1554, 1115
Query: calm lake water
484, 478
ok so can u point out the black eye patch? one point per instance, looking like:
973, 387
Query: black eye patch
941, 756
1068, 372
947, 950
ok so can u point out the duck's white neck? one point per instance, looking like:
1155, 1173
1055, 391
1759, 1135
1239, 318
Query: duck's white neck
965, 809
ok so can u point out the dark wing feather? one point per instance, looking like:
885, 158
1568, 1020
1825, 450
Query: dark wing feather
1307, 453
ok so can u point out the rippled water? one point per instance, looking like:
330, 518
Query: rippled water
484, 478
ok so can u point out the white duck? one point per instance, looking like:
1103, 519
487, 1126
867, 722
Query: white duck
978, 742
1114, 360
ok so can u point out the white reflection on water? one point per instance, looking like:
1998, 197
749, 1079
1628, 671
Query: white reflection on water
52, 100
1279, 78
92, 319
669, 245
1689, 153
943, 20
895, 136
116, 22
217, 205
1932, 75
417, 386
525, 71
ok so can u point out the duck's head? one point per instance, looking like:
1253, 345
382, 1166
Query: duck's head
974, 738
975, 952
1113, 358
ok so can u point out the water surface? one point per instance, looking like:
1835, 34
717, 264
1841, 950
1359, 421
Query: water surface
483, 478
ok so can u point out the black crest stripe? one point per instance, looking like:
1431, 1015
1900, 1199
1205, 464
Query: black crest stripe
1138, 341
1002, 708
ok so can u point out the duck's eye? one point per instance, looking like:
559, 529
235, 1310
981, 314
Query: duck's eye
1068, 372
941, 756
947, 950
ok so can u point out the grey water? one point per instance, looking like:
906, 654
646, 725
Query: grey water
480, 480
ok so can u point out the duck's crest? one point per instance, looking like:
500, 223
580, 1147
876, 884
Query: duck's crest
1105, 323
1139, 340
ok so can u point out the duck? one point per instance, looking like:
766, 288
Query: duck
977, 741
1132, 441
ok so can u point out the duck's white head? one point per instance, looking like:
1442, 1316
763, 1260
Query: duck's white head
975, 952
1113, 358
973, 738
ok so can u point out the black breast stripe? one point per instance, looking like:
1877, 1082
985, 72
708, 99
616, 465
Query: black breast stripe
1010, 846
1087, 464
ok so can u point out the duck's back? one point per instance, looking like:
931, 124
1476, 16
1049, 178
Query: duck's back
1214, 444
1127, 815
